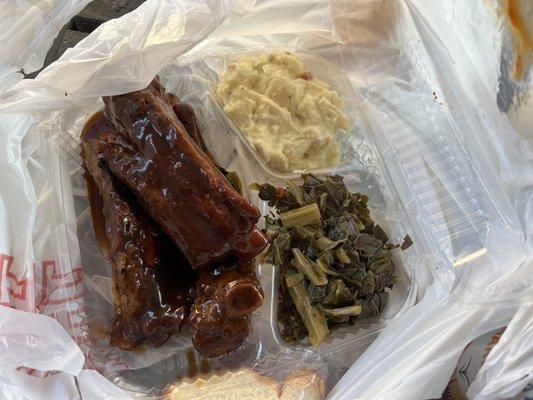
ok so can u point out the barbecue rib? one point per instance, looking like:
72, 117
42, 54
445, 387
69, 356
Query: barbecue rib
185, 114
220, 315
176, 182
150, 303
159, 159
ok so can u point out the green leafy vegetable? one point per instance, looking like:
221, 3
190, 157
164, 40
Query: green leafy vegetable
373, 305
312, 317
367, 244
343, 311
266, 191
307, 267
306, 215
407, 242
336, 263
297, 192
235, 180
325, 268
278, 248
317, 294
381, 263
338, 294
342, 256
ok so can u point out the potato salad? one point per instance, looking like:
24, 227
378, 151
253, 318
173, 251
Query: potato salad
288, 115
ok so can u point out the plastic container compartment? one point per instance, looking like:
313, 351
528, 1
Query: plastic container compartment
337, 79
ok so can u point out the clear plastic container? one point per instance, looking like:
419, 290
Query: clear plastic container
401, 151
137, 370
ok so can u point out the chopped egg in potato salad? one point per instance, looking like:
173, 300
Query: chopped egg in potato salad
289, 116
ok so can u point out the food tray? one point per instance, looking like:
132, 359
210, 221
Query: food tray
402, 151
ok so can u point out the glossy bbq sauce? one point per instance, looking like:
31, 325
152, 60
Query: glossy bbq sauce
153, 283
224, 295
220, 316
96, 124
196, 205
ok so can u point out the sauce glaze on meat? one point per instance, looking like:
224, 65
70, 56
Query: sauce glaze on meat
161, 206
177, 183
150, 302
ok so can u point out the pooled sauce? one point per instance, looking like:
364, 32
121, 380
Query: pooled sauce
96, 204
204, 366
191, 364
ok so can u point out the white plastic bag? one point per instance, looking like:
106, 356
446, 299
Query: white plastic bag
470, 267
509, 367
462, 44
27, 30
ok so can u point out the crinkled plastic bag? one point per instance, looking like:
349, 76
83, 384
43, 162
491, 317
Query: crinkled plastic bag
418, 146
27, 30
509, 367
467, 49
39, 274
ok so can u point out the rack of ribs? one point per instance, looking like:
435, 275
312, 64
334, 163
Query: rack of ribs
176, 182
150, 303
148, 171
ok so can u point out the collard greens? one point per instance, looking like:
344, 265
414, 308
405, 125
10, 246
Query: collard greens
336, 263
